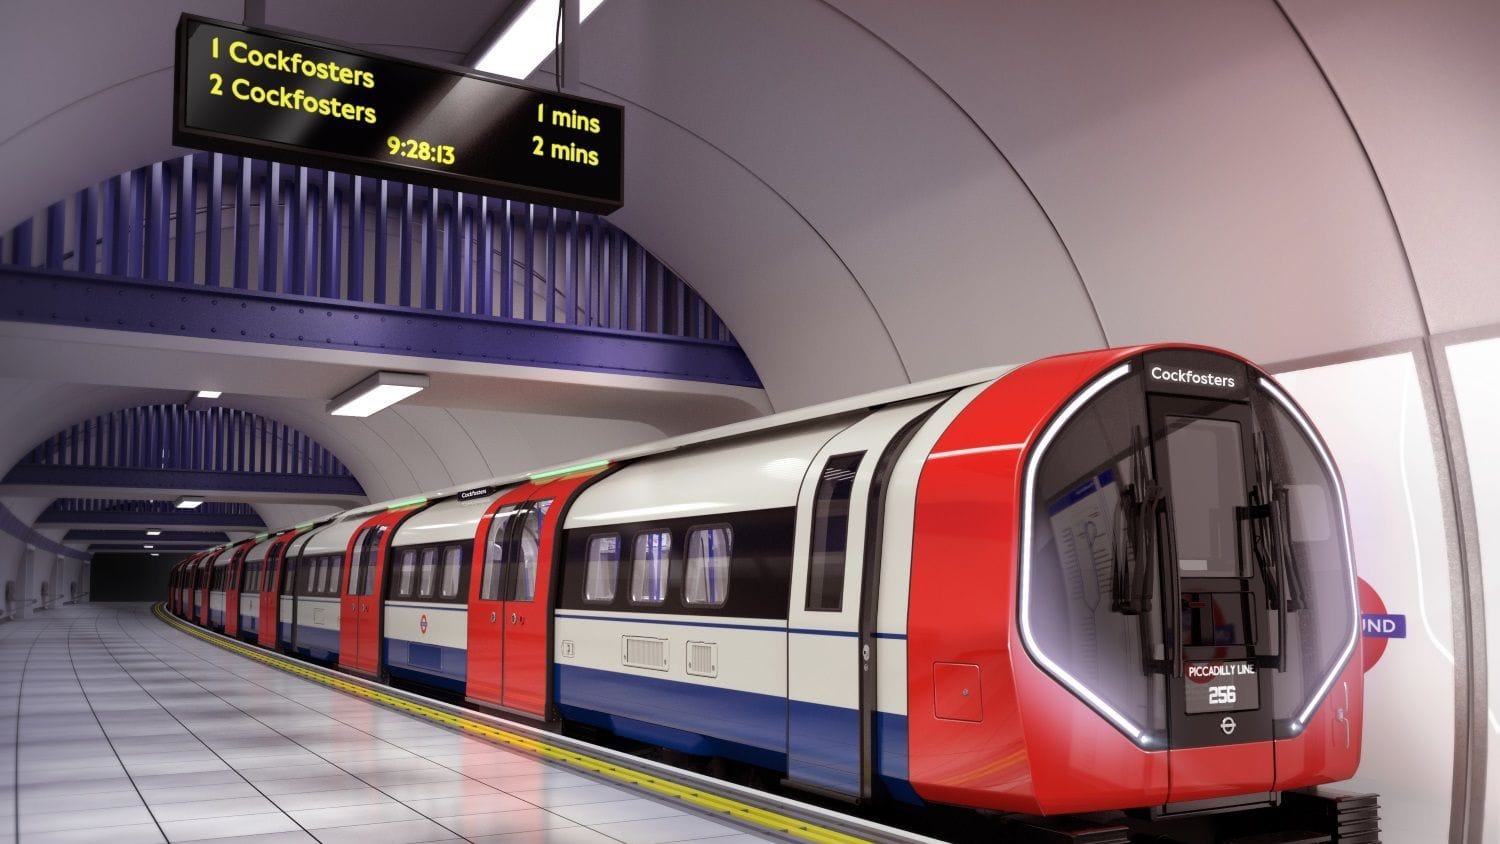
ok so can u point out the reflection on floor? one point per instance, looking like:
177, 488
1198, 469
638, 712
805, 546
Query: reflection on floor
115, 727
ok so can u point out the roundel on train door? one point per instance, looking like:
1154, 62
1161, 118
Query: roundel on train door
422, 623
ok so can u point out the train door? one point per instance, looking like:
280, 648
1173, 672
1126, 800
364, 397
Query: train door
514, 593
270, 591
487, 619
360, 612
234, 584
832, 701
1215, 614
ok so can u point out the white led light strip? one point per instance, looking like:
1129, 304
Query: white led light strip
1292, 410
1135, 731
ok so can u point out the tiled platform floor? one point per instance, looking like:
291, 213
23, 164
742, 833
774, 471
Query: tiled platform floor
116, 728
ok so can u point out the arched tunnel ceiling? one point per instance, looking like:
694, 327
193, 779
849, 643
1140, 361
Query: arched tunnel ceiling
872, 191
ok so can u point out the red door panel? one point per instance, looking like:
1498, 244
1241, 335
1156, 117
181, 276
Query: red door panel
232, 590
270, 592
487, 605
509, 609
364, 589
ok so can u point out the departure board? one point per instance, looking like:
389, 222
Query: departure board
289, 98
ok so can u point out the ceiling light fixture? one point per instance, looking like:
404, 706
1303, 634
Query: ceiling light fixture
210, 394
530, 38
149, 547
189, 502
154, 554
153, 533
377, 392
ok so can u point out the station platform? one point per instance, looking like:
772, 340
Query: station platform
116, 726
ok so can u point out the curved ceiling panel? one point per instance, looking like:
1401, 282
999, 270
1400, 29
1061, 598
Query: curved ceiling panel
1193, 159
934, 227
1420, 82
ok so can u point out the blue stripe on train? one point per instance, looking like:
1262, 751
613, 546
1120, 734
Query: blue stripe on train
744, 726
318, 643
216, 618
434, 665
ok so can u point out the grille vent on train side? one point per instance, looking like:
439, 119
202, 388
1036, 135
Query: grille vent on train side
703, 659
643, 652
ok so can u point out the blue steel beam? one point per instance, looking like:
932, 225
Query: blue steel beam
209, 537
181, 480
178, 519
78, 299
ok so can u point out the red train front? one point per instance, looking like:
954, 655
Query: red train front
1171, 621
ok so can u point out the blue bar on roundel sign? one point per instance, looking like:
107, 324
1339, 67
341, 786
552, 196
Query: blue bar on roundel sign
1383, 626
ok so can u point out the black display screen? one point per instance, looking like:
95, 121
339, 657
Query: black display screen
291, 99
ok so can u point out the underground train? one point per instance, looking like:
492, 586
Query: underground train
1107, 580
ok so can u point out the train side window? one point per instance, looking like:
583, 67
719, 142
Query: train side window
336, 568
406, 577
830, 533
453, 562
706, 582
495, 552
429, 567
604, 569
648, 575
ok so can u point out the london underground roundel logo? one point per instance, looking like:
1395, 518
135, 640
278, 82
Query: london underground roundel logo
1370, 603
422, 623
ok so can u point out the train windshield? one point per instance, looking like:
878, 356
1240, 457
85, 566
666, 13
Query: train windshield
1171, 529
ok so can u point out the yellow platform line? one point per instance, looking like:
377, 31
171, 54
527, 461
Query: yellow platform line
714, 803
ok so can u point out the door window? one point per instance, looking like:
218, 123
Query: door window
492, 580
830, 533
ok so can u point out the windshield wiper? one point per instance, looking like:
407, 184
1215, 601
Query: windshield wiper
1134, 545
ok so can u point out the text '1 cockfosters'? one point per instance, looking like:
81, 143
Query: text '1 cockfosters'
289, 98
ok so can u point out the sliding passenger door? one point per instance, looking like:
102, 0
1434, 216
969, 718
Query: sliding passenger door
361, 613
832, 701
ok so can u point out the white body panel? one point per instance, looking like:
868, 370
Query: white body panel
445, 521
284, 610
447, 624
322, 613
250, 604
216, 601
757, 473
748, 660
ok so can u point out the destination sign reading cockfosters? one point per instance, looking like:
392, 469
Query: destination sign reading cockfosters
293, 99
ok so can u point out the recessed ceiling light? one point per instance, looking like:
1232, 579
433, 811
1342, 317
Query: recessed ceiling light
210, 394
531, 37
376, 393
153, 533
154, 554
149, 547
188, 502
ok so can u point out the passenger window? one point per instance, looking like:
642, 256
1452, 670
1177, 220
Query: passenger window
429, 571
604, 569
357, 562
706, 582
407, 578
648, 576
494, 556
830, 533
453, 562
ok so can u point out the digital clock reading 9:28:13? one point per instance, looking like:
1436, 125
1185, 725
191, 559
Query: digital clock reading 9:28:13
421, 150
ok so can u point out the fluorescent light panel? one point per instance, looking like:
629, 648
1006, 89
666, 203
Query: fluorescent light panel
210, 394
153, 533
529, 39
376, 393
188, 502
